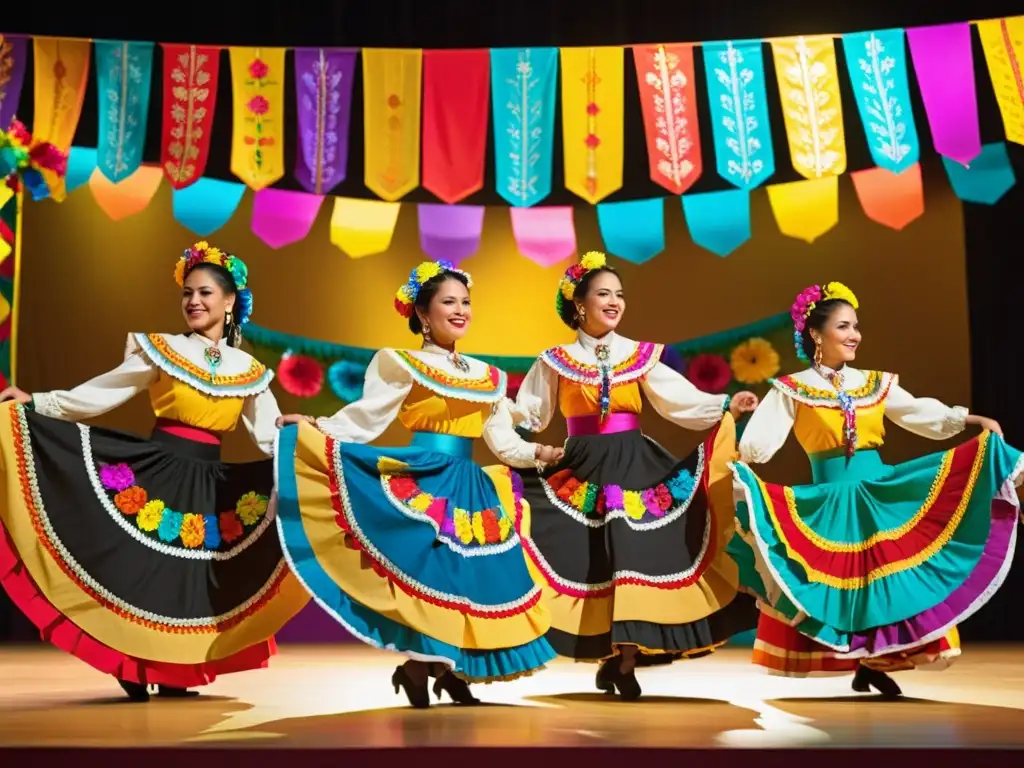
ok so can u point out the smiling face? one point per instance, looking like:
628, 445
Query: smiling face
603, 305
839, 337
205, 302
449, 312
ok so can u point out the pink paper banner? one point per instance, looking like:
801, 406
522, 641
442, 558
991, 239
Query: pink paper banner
545, 235
450, 232
944, 65
281, 217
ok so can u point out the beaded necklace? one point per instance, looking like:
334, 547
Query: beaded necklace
846, 404
603, 353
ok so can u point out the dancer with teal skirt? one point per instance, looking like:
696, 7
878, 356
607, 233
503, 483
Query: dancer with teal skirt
871, 567
448, 584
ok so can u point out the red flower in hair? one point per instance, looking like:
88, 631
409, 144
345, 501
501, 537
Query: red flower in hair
709, 373
300, 375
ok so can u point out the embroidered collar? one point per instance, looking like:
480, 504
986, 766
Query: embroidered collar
629, 360
182, 357
431, 368
810, 387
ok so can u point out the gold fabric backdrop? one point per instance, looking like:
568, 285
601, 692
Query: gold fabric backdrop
88, 281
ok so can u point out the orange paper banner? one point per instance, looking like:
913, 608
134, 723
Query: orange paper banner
892, 199
61, 74
668, 99
128, 197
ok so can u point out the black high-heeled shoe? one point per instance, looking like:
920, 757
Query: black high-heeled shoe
456, 688
604, 680
610, 678
418, 695
136, 691
170, 692
867, 678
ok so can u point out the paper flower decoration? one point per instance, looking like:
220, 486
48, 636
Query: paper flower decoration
709, 373
753, 361
674, 360
346, 380
23, 160
300, 375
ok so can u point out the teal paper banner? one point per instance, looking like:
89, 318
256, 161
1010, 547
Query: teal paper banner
81, 164
718, 221
989, 177
124, 72
633, 230
207, 205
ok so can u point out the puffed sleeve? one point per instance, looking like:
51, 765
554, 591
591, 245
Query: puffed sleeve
768, 428
677, 400
924, 416
259, 415
385, 388
503, 440
102, 393
537, 398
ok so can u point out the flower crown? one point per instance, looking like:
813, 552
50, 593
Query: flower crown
22, 160
805, 303
405, 297
567, 285
202, 252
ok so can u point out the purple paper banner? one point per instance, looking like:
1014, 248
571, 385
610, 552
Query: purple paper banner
323, 85
450, 232
944, 65
13, 49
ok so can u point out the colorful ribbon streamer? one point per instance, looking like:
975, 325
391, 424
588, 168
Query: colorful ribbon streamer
13, 52
257, 141
944, 65
811, 106
545, 235
391, 117
633, 230
281, 217
892, 199
190, 100
456, 100
718, 221
61, 73
128, 196
323, 87
450, 232
523, 84
989, 176
877, 64
124, 72
738, 99
363, 227
593, 121
668, 99
207, 204
1003, 43
806, 210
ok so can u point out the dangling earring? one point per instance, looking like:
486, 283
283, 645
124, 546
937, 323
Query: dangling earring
427, 339
227, 317
817, 353
581, 313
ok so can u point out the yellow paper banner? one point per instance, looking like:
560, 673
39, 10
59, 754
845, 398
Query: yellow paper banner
805, 209
363, 227
61, 74
592, 120
1003, 42
127, 197
257, 140
391, 120
811, 105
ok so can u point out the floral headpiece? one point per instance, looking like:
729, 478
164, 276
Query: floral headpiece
23, 159
567, 285
805, 303
405, 297
202, 252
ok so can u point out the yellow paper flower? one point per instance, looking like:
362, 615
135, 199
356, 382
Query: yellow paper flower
479, 533
179, 272
568, 289
202, 245
427, 270
593, 260
463, 526
149, 516
251, 507
840, 291
754, 361
635, 508
193, 531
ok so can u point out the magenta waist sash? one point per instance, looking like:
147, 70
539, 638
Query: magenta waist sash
591, 425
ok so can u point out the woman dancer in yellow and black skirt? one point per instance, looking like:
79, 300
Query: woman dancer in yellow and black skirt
149, 559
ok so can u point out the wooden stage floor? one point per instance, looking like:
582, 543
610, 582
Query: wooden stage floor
339, 697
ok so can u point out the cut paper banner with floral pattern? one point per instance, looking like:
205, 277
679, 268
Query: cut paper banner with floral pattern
207, 205
545, 235
281, 217
809, 90
805, 210
633, 230
450, 232
190, 101
718, 221
257, 141
363, 227
989, 176
523, 85
877, 64
323, 99
944, 66
668, 100
128, 197
13, 58
738, 99
892, 199
391, 120
124, 72
593, 118
1003, 43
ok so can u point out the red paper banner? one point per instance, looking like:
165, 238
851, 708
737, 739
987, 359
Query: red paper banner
668, 98
456, 97
190, 97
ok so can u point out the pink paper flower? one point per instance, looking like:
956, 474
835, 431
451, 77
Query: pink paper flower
709, 373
